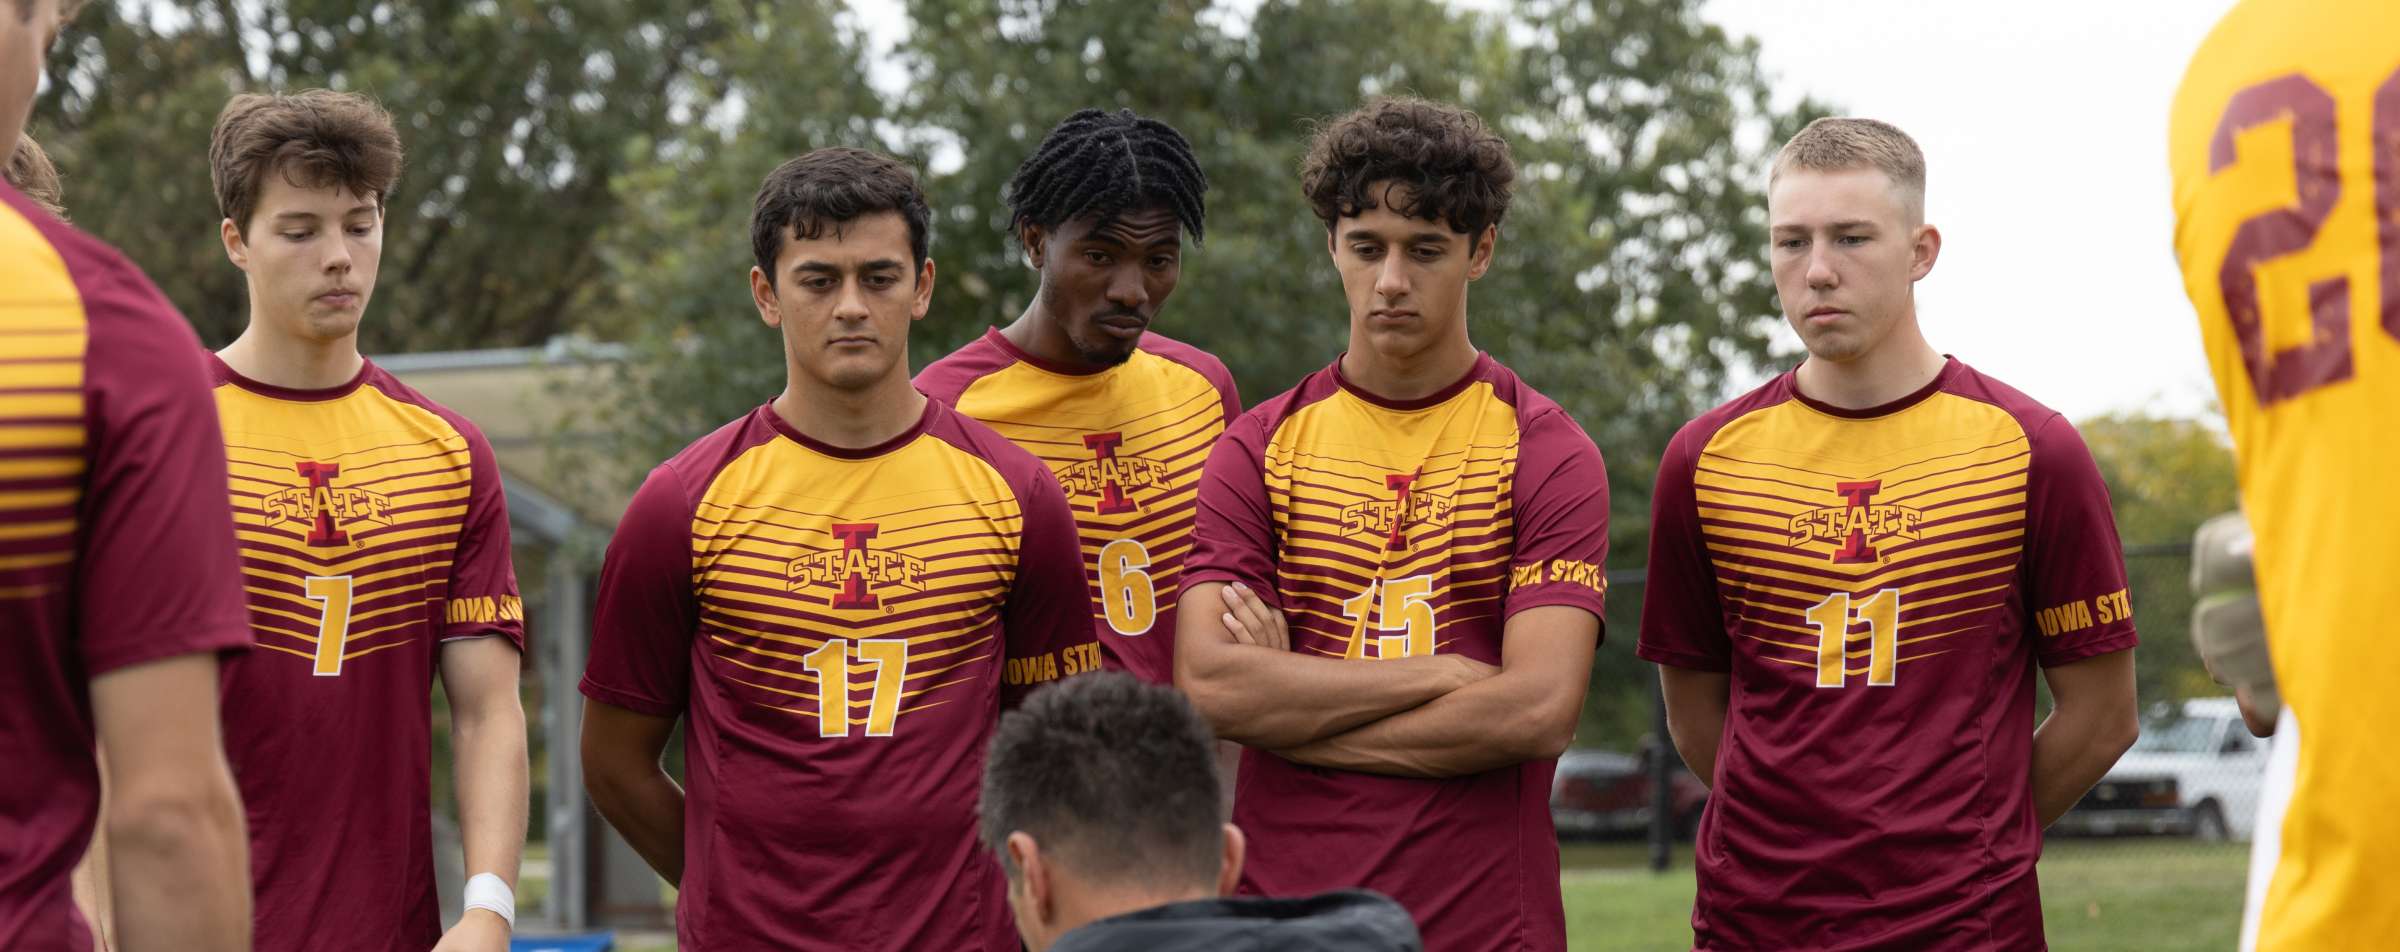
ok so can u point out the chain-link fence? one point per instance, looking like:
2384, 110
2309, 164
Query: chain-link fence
2155, 856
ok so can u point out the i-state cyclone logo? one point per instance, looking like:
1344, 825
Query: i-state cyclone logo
1110, 480
858, 571
1858, 524
328, 510
1392, 518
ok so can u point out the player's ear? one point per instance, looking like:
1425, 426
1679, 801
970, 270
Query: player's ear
1479, 253
1923, 251
924, 302
762, 294
1026, 855
236, 250
1237, 847
1036, 243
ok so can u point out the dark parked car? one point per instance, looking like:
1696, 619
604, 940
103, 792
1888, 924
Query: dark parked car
1604, 793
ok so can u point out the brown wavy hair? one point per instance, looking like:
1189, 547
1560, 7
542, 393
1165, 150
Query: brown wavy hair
30, 170
1455, 168
314, 139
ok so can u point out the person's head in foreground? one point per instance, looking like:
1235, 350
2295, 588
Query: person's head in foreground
842, 239
30, 170
1100, 798
27, 29
1100, 209
302, 180
1411, 193
1846, 222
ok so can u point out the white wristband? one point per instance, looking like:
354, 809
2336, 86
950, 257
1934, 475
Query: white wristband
489, 891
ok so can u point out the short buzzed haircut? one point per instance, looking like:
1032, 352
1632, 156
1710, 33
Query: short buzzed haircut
817, 192
1114, 778
1839, 144
30, 170
315, 138
1457, 171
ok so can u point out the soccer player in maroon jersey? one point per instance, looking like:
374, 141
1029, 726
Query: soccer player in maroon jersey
1855, 572
1396, 591
375, 554
118, 588
838, 592
1122, 414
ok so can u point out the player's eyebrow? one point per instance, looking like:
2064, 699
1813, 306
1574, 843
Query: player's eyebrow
827, 267
1427, 236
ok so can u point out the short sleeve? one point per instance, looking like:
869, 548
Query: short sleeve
1050, 606
1233, 536
2074, 571
158, 574
1683, 623
1560, 500
483, 598
647, 614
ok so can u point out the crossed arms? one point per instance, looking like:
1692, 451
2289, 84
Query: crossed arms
1441, 715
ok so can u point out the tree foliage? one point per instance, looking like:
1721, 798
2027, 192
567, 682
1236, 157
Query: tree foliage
518, 117
2165, 477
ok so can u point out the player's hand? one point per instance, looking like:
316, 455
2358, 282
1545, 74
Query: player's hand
480, 930
1252, 622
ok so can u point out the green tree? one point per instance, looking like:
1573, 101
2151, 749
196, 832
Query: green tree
2165, 476
517, 117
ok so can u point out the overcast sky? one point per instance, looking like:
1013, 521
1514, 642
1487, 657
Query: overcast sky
2044, 125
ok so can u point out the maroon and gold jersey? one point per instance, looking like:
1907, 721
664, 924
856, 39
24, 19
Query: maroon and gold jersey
373, 528
2284, 146
1880, 584
1127, 444
115, 546
1391, 529
930, 581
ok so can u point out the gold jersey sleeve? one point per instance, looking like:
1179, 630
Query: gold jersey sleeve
2285, 152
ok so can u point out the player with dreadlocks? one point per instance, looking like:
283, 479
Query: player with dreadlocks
1124, 416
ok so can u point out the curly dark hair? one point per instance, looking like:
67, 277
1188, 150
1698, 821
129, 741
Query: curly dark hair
1104, 164
1456, 169
819, 191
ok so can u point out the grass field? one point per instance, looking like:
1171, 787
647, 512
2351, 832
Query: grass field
2097, 896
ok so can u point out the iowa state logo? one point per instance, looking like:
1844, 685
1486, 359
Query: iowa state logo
324, 507
1392, 518
1108, 479
1857, 523
857, 570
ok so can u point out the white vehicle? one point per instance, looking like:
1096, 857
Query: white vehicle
2194, 772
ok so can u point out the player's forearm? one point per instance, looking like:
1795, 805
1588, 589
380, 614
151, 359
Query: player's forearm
1497, 722
2072, 749
646, 808
1262, 697
179, 868
492, 785
1697, 702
